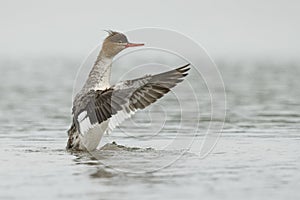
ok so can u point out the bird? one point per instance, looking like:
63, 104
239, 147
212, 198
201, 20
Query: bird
100, 107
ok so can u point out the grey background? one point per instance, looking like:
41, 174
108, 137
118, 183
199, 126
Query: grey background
231, 30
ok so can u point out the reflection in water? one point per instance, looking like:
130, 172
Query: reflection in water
113, 159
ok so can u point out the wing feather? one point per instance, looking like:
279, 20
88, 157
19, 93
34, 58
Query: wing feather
122, 100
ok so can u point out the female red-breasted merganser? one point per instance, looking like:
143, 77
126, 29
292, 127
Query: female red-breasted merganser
100, 107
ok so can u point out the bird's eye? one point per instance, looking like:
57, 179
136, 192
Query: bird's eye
120, 41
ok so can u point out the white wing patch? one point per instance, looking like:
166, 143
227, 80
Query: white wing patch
84, 123
118, 118
86, 127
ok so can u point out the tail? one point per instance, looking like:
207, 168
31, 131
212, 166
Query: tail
74, 139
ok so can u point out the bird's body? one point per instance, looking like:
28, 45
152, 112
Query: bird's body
100, 107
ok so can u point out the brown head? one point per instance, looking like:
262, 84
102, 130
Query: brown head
114, 43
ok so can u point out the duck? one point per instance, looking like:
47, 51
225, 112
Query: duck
99, 107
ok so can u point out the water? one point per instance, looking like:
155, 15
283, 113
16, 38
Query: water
257, 156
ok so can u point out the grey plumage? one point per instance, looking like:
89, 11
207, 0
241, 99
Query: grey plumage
136, 94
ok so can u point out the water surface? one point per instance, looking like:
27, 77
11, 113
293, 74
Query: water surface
257, 157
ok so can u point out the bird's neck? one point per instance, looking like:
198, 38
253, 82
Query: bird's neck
99, 77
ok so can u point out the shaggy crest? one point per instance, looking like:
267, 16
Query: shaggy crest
111, 33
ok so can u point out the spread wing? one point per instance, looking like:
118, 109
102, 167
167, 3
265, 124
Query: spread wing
123, 99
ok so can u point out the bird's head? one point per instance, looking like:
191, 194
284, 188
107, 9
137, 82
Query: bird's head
115, 42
